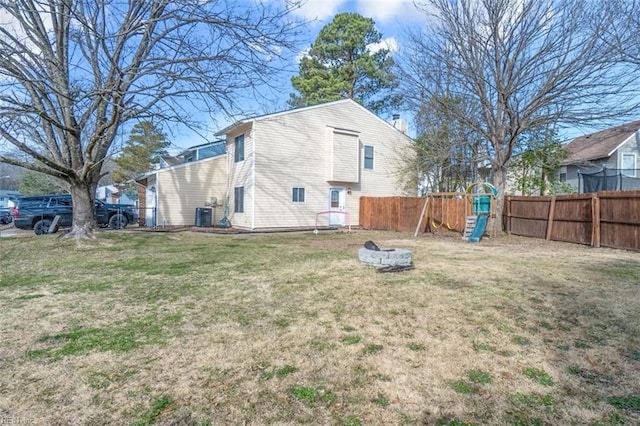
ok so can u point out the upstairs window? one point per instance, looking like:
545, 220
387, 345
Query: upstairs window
239, 152
368, 157
297, 195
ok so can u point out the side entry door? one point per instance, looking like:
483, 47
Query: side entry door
337, 198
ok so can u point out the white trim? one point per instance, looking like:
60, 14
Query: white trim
253, 175
178, 166
633, 135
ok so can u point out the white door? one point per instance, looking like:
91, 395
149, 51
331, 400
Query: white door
337, 199
151, 205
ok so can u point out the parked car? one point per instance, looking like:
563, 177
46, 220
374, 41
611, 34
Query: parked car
38, 213
5, 216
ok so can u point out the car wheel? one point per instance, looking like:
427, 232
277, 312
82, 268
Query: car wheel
118, 221
42, 227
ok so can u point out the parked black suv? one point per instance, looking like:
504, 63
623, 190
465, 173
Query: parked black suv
38, 212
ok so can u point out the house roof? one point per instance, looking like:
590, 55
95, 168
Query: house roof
239, 123
600, 144
171, 160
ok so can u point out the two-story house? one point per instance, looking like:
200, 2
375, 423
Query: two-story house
281, 170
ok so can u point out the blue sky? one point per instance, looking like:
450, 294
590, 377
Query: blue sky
392, 17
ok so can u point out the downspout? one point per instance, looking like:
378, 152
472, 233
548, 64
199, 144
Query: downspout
253, 176
155, 194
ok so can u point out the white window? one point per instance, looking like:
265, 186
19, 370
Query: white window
238, 199
629, 165
297, 195
368, 157
239, 151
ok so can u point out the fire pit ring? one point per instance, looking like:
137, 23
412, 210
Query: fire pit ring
385, 257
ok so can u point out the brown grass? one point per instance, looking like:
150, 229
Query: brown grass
292, 329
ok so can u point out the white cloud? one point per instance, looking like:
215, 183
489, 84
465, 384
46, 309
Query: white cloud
320, 10
385, 11
389, 43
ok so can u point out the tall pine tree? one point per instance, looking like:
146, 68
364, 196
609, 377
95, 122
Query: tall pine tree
141, 152
347, 61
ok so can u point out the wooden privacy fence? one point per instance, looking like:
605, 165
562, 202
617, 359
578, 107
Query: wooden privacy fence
610, 219
447, 210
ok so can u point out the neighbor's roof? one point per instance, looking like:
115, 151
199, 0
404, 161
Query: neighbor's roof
171, 160
600, 144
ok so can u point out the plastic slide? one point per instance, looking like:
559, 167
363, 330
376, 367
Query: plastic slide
478, 230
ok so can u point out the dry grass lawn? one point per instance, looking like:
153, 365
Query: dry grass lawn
193, 329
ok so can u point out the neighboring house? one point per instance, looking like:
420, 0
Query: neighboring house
8, 198
280, 170
605, 160
110, 194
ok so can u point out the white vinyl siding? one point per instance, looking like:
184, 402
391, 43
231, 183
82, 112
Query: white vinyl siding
284, 139
183, 188
241, 174
344, 156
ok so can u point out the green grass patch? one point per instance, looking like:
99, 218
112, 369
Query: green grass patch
312, 395
121, 337
381, 401
625, 402
461, 386
416, 346
351, 421
483, 347
521, 340
447, 421
372, 349
157, 407
351, 340
477, 376
538, 376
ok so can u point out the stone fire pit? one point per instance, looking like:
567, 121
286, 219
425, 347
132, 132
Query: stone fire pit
385, 257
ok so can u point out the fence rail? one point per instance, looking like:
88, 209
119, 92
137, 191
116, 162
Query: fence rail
608, 218
403, 214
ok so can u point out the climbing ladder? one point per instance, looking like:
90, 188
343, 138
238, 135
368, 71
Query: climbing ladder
468, 227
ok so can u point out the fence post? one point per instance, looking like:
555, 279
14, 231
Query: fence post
595, 221
552, 211
508, 203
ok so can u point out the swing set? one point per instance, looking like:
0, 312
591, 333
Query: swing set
460, 211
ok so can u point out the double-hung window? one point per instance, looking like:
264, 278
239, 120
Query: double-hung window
629, 164
297, 195
239, 151
238, 199
368, 157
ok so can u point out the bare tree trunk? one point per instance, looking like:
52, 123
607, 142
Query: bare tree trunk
84, 214
500, 182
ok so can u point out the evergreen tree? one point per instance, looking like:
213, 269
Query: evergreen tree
141, 152
344, 62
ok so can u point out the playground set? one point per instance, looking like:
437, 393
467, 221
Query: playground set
466, 212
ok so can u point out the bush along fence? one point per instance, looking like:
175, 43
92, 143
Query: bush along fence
609, 219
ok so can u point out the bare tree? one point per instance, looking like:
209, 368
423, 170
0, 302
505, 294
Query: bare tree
517, 65
73, 72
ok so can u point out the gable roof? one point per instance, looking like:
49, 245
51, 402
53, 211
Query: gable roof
296, 110
600, 144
